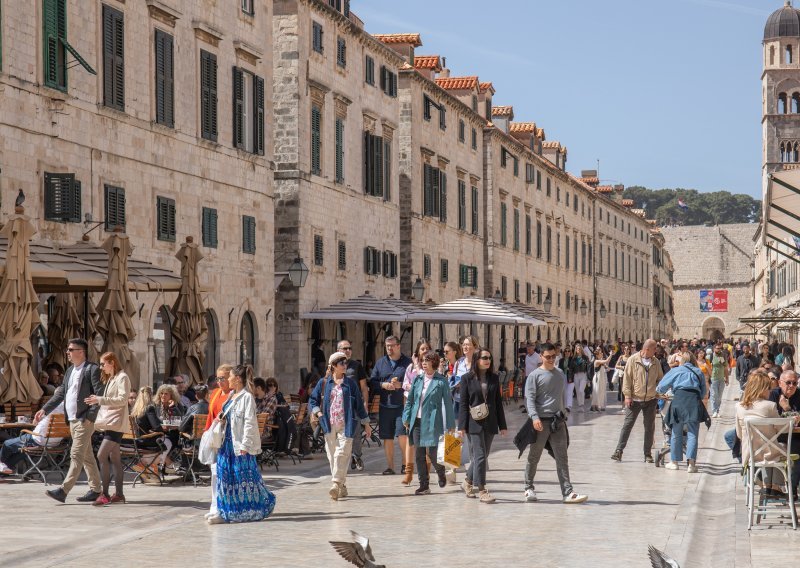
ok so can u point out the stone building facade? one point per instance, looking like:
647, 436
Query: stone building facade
336, 108
156, 141
701, 255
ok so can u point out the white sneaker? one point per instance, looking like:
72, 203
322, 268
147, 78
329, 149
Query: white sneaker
530, 496
574, 498
671, 465
691, 468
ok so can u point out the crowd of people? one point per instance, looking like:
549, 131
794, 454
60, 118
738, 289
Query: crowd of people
455, 390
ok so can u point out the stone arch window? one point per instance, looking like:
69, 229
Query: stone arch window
782, 106
247, 339
787, 55
772, 55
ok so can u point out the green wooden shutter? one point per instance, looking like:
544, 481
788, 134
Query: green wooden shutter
208, 95
339, 143
165, 81
238, 108
113, 58
316, 119
258, 127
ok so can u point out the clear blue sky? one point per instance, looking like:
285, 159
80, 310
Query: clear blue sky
664, 94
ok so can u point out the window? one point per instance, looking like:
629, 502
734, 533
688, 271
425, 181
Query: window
516, 229
209, 227
56, 46
248, 111
538, 239
372, 261
341, 52
208, 95
443, 270
374, 165
474, 139
462, 134
165, 218
528, 234
339, 147
113, 58
319, 251
341, 256
474, 210
369, 71
426, 266
316, 37
503, 224
247, 7
468, 276
316, 140
165, 79
434, 193
389, 264
549, 244
388, 81
462, 205
62, 198
248, 234
114, 207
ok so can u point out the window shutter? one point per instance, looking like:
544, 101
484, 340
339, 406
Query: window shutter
113, 58
238, 108
208, 95
258, 127
165, 96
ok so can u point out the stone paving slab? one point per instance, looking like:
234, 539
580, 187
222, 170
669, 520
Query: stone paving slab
631, 505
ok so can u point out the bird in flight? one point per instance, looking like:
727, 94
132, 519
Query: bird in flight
357, 552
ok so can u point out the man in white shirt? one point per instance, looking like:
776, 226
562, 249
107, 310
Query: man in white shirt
81, 380
11, 452
532, 360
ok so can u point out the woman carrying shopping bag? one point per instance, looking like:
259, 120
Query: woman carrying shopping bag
428, 398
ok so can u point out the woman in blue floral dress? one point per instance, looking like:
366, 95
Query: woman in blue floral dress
241, 493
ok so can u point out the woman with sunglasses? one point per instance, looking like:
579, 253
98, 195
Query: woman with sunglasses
338, 403
480, 387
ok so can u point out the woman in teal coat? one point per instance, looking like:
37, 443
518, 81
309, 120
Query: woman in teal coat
422, 416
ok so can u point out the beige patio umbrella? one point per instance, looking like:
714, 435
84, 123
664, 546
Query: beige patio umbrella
189, 330
18, 314
115, 309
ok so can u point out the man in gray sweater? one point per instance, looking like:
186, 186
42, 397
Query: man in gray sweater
544, 400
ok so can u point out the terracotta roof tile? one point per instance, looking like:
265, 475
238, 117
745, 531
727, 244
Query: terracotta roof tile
502, 110
428, 62
627, 202
457, 83
487, 86
413, 39
527, 127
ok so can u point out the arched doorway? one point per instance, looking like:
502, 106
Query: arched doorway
713, 328
162, 344
211, 361
247, 341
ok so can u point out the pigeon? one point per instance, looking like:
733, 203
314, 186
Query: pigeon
20, 199
357, 552
660, 560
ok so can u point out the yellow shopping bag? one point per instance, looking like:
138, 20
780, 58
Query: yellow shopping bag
449, 450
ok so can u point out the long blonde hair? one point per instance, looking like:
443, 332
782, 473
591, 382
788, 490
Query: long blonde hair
757, 382
143, 400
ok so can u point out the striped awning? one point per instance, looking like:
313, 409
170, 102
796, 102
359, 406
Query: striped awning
473, 309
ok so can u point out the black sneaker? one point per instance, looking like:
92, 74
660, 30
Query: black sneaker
423, 490
89, 497
617, 455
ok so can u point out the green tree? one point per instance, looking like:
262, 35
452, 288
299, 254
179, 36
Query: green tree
716, 208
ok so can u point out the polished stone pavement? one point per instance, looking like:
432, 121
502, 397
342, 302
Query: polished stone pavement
699, 519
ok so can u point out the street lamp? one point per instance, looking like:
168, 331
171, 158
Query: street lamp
584, 307
418, 289
548, 303
603, 310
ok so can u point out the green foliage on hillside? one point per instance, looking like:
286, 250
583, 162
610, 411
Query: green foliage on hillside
716, 208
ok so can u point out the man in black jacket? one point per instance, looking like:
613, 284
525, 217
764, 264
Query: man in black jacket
81, 379
745, 363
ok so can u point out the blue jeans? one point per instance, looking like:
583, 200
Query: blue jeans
676, 442
717, 388
11, 452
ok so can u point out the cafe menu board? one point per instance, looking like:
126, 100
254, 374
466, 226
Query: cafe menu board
713, 300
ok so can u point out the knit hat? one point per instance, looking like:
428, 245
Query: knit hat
336, 357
